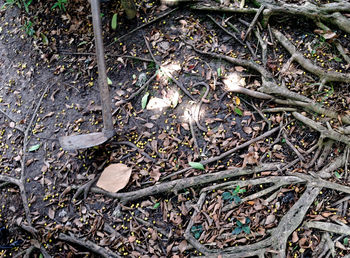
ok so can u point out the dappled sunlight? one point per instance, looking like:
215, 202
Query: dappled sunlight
171, 68
234, 81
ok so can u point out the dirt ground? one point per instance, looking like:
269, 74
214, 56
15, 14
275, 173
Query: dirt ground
237, 142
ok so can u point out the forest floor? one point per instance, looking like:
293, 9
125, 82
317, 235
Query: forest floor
232, 130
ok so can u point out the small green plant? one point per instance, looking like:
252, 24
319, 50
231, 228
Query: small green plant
60, 4
197, 231
242, 227
228, 196
19, 3
28, 27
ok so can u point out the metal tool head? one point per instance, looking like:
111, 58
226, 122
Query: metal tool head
83, 141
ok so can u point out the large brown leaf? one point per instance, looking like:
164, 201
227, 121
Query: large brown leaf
114, 177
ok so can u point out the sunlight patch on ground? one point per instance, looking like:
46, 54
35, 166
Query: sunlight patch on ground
234, 81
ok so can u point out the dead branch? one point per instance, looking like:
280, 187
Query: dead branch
252, 24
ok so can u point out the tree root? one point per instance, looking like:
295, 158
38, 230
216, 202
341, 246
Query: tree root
329, 227
326, 12
277, 241
103, 252
325, 76
327, 133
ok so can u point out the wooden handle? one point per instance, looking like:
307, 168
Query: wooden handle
102, 73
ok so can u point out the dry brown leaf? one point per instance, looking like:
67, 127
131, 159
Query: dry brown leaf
270, 219
114, 177
149, 125
247, 130
295, 237
239, 69
183, 246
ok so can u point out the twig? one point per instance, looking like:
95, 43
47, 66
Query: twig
278, 109
199, 105
134, 146
225, 30
12, 119
167, 73
118, 104
263, 46
84, 189
107, 54
293, 148
144, 25
196, 147
252, 24
327, 147
187, 234
246, 144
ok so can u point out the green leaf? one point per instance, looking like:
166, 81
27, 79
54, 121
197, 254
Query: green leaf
196, 165
197, 231
227, 196
44, 38
34, 147
283, 140
144, 100
109, 81
337, 59
156, 205
219, 72
337, 175
246, 229
346, 241
41, 256
237, 199
197, 235
114, 21
238, 111
237, 230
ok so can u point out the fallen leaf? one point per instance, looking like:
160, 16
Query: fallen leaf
114, 177
295, 237
270, 219
149, 125
183, 246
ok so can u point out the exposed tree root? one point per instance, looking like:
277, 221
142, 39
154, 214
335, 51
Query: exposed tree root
103, 252
325, 12
325, 76
275, 243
